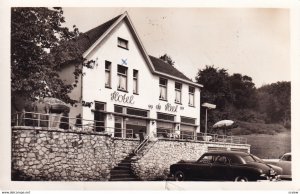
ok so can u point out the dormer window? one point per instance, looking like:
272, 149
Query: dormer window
122, 43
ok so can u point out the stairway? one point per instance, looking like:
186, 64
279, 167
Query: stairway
123, 171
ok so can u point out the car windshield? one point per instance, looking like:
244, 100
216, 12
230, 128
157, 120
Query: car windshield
287, 157
257, 159
248, 158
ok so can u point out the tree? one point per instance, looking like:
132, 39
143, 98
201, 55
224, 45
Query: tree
37, 41
243, 90
216, 86
167, 59
275, 100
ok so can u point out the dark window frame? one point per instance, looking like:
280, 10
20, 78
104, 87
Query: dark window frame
192, 92
163, 86
164, 116
122, 40
122, 75
108, 70
179, 90
136, 78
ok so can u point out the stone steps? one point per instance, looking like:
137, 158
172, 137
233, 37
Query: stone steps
123, 172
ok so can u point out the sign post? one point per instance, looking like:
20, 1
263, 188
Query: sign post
207, 106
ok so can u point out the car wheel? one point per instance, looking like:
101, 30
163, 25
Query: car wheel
241, 179
179, 176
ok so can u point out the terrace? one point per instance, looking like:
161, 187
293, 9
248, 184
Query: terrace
57, 121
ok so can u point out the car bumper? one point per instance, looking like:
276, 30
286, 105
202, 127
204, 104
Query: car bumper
265, 178
285, 177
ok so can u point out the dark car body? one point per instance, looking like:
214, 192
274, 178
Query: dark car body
223, 166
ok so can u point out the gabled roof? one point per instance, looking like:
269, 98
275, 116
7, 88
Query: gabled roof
88, 40
162, 66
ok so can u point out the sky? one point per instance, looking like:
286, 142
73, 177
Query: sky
249, 41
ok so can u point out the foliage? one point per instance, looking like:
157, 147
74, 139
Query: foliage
167, 58
237, 99
37, 41
246, 128
275, 101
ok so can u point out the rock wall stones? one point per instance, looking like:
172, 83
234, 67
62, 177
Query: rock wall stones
154, 162
59, 155
64, 155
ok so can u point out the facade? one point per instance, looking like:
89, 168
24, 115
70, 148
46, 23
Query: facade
129, 91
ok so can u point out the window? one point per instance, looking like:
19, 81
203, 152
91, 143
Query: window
107, 74
137, 112
131, 111
122, 74
191, 96
122, 43
163, 89
178, 92
164, 129
187, 132
135, 81
99, 105
188, 120
129, 126
118, 109
165, 117
99, 117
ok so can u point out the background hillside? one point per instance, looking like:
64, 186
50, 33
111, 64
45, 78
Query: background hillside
264, 110
262, 115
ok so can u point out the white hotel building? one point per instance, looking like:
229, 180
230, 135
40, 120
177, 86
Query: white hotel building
128, 90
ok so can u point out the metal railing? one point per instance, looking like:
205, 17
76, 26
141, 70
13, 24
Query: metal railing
68, 123
141, 145
50, 121
203, 137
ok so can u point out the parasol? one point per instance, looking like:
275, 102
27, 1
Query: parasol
56, 105
224, 124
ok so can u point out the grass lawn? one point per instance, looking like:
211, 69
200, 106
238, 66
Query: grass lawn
269, 146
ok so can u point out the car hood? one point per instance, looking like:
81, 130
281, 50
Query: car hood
264, 167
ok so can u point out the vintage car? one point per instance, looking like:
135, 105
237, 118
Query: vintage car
224, 166
284, 162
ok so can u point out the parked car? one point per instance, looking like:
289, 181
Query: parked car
284, 162
224, 166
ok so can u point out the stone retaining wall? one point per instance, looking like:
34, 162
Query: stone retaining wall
154, 163
39, 154
59, 155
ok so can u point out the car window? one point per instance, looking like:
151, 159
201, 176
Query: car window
287, 157
206, 159
222, 160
